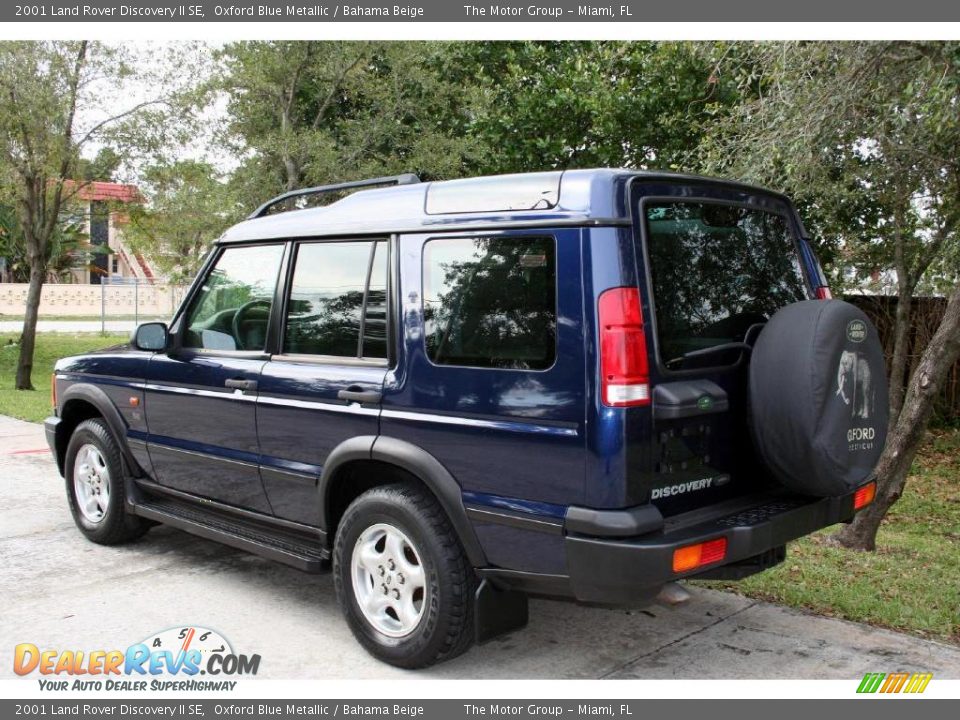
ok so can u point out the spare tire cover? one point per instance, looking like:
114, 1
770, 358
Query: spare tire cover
818, 397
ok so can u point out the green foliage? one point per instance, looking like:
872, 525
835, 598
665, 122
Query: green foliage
865, 136
189, 207
307, 113
69, 248
103, 166
585, 104
60, 97
304, 113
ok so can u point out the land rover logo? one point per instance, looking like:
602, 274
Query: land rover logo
705, 402
856, 331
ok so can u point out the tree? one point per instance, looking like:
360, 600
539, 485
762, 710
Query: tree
866, 136
306, 113
103, 166
52, 94
188, 207
69, 248
585, 104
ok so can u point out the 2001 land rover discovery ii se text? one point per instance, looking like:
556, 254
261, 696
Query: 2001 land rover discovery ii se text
586, 384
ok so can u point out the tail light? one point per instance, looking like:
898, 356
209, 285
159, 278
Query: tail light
823, 293
694, 556
864, 496
53, 390
624, 370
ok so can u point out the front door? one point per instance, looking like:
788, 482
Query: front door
324, 386
200, 397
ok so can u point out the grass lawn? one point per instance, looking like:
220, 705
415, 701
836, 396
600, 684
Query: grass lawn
912, 581
35, 404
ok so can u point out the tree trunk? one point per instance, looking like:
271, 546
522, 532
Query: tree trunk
28, 338
901, 323
901, 342
908, 432
292, 172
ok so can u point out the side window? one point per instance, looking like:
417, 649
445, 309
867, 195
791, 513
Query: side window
232, 308
491, 302
338, 300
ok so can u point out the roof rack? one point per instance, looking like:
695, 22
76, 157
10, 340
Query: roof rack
404, 179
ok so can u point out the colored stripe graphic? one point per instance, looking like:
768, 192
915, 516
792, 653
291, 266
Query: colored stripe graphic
894, 682
913, 683
920, 683
870, 682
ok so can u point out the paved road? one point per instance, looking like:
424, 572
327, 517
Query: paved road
60, 591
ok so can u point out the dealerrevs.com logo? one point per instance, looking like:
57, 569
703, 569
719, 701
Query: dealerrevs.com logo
169, 660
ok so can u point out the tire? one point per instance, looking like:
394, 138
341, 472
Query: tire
818, 397
379, 527
95, 476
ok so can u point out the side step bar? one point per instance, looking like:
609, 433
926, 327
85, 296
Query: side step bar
294, 549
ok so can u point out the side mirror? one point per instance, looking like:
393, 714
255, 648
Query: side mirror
152, 336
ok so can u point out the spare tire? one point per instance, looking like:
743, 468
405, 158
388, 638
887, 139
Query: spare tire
818, 397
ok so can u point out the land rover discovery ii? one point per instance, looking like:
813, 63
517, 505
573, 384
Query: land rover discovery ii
587, 383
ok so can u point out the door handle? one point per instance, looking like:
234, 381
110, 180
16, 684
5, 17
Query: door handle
240, 384
359, 396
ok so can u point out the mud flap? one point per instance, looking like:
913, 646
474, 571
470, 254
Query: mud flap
497, 612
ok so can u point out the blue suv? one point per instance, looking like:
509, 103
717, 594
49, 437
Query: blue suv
586, 384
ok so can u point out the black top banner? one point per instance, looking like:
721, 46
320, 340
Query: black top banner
619, 11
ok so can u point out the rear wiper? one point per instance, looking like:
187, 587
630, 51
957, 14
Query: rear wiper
746, 347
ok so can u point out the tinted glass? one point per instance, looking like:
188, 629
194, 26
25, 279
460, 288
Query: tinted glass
717, 271
375, 323
327, 300
490, 302
232, 308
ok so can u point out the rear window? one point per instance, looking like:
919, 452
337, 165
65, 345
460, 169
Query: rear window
490, 302
718, 271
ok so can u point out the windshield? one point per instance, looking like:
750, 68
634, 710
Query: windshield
718, 270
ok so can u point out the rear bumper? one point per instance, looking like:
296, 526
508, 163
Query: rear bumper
631, 571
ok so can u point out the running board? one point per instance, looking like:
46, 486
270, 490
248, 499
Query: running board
301, 552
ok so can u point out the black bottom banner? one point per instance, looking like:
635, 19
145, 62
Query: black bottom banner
785, 709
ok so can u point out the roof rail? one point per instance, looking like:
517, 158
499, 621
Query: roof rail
405, 179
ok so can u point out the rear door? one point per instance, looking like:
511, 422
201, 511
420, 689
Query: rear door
324, 386
717, 263
491, 376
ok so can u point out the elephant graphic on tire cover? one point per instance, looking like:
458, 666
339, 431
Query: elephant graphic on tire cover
855, 384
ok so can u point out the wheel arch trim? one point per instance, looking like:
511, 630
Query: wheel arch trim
96, 397
419, 463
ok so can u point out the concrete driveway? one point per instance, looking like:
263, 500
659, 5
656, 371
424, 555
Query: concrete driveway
60, 591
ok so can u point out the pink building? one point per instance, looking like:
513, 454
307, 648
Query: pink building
101, 205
